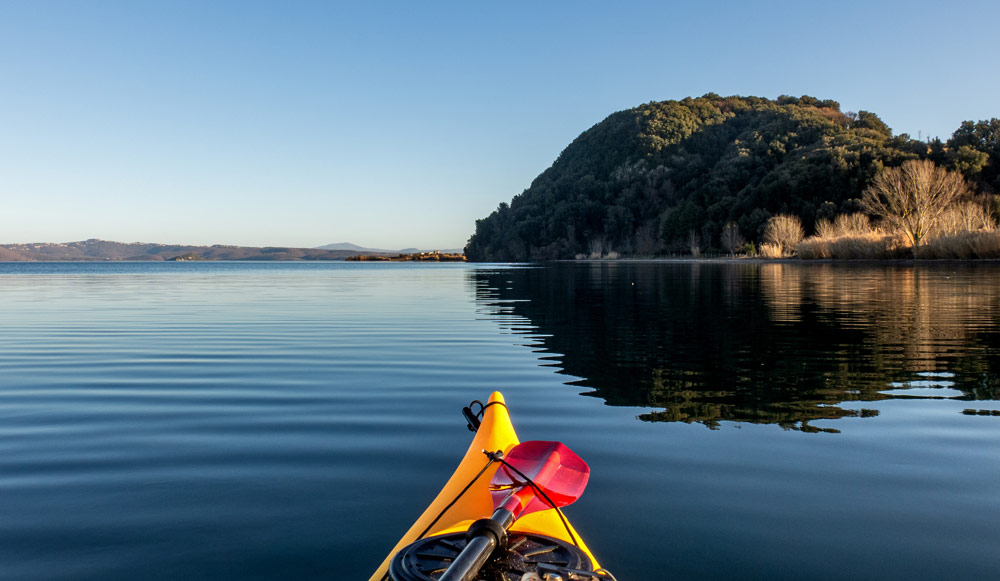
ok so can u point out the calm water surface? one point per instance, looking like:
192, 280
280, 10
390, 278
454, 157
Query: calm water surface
232, 420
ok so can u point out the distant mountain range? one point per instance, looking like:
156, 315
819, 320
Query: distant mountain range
362, 249
98, 250
104, 250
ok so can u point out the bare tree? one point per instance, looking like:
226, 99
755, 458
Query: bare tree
597, 246
647, 239
694, 243
856, 224
911, 198
731, 238
783, 232
966, 216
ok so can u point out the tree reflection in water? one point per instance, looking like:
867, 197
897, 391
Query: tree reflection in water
781, 343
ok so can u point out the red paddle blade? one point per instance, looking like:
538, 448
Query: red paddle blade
554, 468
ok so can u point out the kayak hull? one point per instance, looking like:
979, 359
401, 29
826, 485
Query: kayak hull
465, 498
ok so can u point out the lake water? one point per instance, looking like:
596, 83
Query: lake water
290, 420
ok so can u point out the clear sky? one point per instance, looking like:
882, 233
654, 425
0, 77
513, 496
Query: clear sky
396, 124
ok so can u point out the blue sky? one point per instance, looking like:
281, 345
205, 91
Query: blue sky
394, 124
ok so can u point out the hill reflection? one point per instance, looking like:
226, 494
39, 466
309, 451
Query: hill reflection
786, 344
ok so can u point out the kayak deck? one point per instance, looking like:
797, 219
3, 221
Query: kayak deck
466, 497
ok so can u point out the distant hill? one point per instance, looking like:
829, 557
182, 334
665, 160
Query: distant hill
382, 251
354, 248
102, 250
671, 176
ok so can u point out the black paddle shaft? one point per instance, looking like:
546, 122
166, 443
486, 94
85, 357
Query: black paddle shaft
484, 537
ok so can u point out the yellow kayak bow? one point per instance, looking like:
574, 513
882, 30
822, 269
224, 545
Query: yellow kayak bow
466, 498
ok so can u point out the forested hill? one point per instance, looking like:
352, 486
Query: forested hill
667, 176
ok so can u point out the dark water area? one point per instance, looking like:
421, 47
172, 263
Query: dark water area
763, 343
233, 420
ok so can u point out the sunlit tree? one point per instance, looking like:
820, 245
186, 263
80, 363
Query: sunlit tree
783, 232
912, 198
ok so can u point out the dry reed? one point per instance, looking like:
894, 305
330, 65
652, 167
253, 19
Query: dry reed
825, 229
768, 250
871, 246
962, 245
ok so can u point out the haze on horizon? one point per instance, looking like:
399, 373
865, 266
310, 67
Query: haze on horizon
398, 125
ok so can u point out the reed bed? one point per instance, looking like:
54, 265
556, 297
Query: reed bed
964, 232
962, 245
873, 246
851, 237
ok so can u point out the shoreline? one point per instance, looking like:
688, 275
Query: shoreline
792, 260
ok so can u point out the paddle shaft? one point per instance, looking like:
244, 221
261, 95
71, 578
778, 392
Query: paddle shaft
477, 551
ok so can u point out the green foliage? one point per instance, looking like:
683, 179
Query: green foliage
968, 160
869, 120
976, 146
687, 168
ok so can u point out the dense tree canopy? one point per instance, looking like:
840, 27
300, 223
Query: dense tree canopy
974, 149
669, 176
